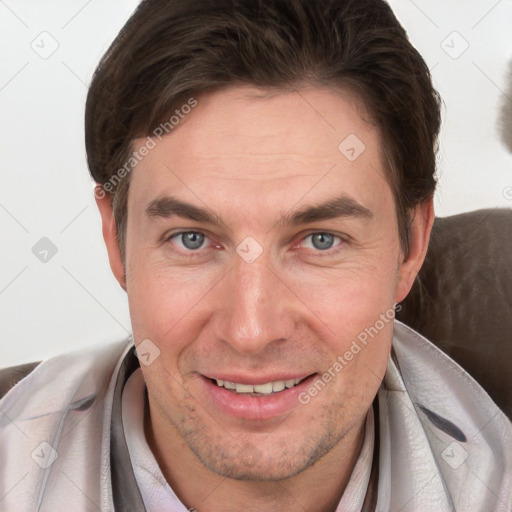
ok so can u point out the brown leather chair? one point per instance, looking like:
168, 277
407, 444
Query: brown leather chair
12, 375
461, 301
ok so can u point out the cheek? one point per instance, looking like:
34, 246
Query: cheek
358, 359
356, 309
350, 299
165, 306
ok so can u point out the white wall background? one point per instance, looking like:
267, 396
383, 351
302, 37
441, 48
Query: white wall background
71, 300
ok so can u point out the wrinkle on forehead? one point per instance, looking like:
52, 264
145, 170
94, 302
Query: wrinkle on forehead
278, 146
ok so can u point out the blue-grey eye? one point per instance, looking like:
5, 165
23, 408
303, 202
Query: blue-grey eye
322, 241
192, 240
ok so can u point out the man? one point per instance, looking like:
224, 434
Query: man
265, 173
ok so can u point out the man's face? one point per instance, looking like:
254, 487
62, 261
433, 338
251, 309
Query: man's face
262, 296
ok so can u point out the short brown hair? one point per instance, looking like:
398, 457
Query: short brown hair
170, 50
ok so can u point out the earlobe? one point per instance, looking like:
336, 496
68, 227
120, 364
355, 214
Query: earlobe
109, 229
420, 229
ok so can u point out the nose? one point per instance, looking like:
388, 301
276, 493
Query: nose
255, 309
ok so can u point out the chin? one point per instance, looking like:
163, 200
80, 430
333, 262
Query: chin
259, 461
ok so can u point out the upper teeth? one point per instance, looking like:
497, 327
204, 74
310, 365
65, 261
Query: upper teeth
265, 389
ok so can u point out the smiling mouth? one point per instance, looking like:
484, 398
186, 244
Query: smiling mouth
269, 388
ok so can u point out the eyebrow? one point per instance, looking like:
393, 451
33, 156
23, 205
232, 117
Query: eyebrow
342, 206
167, 206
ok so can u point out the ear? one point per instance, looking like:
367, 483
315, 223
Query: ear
109, 229
421, 226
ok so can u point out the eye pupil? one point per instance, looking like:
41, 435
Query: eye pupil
322, 241
192, 240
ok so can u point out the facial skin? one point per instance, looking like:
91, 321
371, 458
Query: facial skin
251, 158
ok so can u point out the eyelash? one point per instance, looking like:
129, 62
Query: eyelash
329, 252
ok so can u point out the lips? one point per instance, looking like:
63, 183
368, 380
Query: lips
253, 401
259, 389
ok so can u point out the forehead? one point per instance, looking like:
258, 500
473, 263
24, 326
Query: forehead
247, 138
